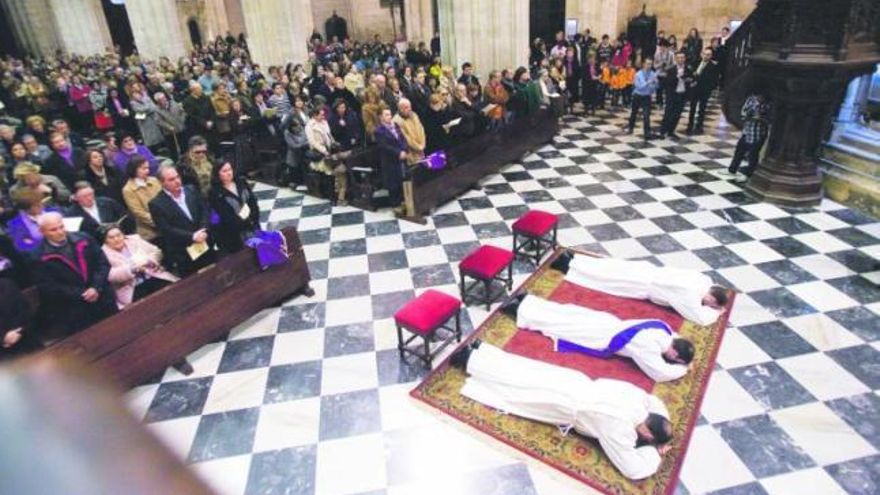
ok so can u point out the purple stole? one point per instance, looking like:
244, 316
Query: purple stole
617, 343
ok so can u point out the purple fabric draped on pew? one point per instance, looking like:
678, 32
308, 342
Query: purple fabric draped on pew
271, 248
617, 343
436, 160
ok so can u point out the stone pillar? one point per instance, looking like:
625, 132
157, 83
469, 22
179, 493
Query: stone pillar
278, 30
156, 28
804, 102
33, 25
235, 17
217, 20
419, 20
81, 26
855, 101
491, 34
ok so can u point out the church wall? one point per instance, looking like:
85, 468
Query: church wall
323, 9
673, 16
235, 17
365, 17
677, 17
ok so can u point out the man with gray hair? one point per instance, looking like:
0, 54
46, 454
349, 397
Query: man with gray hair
71, 273
172, 122
199, 111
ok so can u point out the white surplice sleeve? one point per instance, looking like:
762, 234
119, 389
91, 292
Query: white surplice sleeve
658, 369
635, 463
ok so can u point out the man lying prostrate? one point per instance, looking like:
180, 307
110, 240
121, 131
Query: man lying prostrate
650, 343
688, 292
631, 425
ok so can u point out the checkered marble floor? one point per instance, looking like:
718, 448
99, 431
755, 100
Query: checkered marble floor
312, 398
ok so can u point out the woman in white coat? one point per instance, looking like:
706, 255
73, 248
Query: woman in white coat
135, 267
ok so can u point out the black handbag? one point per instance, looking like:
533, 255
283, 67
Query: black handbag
314, 155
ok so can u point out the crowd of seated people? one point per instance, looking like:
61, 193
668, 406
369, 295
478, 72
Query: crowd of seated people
93, 138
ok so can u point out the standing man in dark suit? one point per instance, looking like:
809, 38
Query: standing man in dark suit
199, 111
97, 212
392, 157
705, 81
677, 81
71, 273
182, 219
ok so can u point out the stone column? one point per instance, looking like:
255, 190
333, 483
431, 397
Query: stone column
491, 34
217, 20
33, 25
278, 30
235, 17
156, 28
856, 99
419, 20
81, 26
804, 102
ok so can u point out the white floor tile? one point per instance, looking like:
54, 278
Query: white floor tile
349, 373
822, 376
821, 433
350, 465
288, 424
711, 464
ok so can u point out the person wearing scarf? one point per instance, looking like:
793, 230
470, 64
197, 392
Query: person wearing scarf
392, 156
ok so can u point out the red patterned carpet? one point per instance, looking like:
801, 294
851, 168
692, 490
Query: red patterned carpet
574, 455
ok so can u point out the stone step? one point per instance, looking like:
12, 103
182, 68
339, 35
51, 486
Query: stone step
850, 178
867, 140
853, 158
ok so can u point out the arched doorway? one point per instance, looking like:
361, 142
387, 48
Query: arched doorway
120, 28
546, 18
195, 35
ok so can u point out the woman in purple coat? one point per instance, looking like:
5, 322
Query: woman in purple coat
128, 148
392, 158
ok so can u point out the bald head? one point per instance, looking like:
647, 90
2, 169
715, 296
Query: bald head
52, 227
404, 107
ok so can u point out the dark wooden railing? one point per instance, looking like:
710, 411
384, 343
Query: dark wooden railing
736, 71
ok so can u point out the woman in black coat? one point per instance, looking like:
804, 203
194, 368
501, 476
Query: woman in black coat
345, 126
392, 156
236, 205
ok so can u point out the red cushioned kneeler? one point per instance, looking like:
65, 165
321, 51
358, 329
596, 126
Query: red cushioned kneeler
534, 235
423, 316
485, 264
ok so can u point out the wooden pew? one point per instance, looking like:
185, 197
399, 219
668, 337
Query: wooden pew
470, 162
141, 341
467, 164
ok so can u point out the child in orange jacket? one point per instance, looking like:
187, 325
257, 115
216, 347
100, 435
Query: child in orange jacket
628, 75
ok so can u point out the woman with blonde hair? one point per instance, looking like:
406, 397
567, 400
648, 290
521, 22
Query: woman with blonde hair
370, 111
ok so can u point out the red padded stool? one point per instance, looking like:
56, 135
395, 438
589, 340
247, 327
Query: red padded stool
423, 316
485, 264
534, 234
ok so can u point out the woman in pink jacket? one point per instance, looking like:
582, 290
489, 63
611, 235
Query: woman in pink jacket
78, 94
135, 267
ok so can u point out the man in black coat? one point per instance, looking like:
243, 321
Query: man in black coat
678, 79
706, 75
199, 111
182, 218
66, 162
71, 273
97, 212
